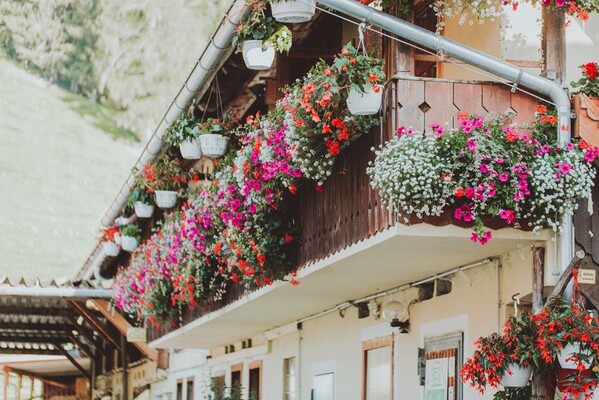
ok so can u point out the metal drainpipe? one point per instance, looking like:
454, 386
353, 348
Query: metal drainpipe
217, 51
485, 62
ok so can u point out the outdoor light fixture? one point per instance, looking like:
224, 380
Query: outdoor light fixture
397, 314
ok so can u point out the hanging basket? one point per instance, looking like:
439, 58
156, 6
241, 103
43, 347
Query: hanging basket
293, 11
166, 198
367, 103
213, 145
111, 249
564, 356
129, 243
190, 149
256, 57
519, 376
143, 210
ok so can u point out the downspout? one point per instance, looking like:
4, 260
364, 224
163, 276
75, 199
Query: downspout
484, 62
218, 50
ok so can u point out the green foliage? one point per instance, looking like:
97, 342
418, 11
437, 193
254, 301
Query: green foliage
514, 393
220, 391
131, 231
180, 131
139, 194
259, 27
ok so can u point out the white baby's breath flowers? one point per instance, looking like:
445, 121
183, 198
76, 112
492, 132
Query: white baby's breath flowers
409, 175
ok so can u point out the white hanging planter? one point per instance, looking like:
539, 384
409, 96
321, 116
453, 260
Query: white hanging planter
213, 144
190, 149
293, 11
111, 249
256, 57
143, 210
566, 353
519, 376
367, 103
129, 243
117, 238
166, 198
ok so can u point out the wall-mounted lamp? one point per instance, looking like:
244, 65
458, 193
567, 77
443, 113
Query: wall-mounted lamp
397, 314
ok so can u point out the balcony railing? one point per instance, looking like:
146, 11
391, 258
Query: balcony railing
349, 210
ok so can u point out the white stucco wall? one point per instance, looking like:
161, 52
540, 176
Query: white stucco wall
476, 306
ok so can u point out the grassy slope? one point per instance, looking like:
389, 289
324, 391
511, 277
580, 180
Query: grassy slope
58, 173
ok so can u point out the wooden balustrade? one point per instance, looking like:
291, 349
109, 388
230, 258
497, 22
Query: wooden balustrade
349, 210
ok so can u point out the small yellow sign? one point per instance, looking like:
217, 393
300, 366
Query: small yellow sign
136, 335
587, 276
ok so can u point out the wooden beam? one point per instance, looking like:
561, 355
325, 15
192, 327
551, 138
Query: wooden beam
89, 335
563, 280
553, 44
35, 352
81, 346
37, 338
23, 326
122, 325
6, 382
69, 357
538, 256
37, 377
125, 373
37, 311
94, 323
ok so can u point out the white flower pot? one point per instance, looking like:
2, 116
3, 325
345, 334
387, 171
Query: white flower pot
293, 11
256, 57
129, 243
366, 103
111, 249
117, 238
190, 149
166, 198
213, 145
566, 353
143, 210
519, 376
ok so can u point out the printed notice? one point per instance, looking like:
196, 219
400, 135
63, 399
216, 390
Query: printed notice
435, 387
587, 276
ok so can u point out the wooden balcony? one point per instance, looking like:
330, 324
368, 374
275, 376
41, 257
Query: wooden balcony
349, 211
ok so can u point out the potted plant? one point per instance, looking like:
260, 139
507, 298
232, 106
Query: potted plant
504, 359
166, 179
180, 133
259, 39
131, 237
212, 137
141, 200
109, 245
292, 11
363, 76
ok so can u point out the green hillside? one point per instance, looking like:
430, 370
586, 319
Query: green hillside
59, 169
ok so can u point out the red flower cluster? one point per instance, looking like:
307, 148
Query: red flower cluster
591, 69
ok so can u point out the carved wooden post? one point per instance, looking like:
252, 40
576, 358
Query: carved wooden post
540, 388
553, 44
398, 56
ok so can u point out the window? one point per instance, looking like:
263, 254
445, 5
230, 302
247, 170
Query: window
179, 390
255, 377
236, 377
190, 389
443, 357
289, 378
323, 386
378, 369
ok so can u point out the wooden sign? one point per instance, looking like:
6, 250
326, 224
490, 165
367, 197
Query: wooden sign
137, 335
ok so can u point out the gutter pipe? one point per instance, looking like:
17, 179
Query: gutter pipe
50, 292
216, 53
484, 62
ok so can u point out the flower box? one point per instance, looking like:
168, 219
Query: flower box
143, 210
293, 11
166, 198
129, 243
258, 56
111, 249
367, 103
516, 376
190, 149
213, 145
565, 355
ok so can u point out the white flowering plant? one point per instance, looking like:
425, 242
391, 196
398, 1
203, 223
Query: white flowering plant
483, 172
410, 175
266, 29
